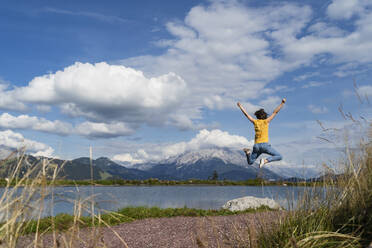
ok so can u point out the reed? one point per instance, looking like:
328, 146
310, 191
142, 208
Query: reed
338, 216
23, 204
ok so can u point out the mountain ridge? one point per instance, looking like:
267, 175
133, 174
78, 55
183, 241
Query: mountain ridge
202, 164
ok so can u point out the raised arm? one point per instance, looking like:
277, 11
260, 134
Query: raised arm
276, 110
245, 113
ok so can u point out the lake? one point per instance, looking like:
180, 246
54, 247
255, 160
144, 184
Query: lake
202, 197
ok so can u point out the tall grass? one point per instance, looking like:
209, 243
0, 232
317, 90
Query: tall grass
338, 216
23, 204
19, 203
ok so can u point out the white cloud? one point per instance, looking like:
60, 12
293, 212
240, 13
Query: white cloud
97, 16
317, 109
343, 46
8, 121
313, 84
227, 51
325, 30
127, 157
365, 91
306, 76
207, 139
12, 140
87, 129
103, 130
270, 103
203, 140
8, 101
223, 52
250, 108
308, 152
344, 9
104, 93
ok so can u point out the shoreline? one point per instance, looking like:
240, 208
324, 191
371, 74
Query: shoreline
152, 182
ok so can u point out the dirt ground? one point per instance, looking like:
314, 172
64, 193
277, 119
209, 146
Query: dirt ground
218, 231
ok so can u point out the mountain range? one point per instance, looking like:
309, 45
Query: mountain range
201, 164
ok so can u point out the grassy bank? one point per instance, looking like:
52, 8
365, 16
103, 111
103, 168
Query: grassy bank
157, 182
343, 219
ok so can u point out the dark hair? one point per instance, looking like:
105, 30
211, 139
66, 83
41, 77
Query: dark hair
261, 114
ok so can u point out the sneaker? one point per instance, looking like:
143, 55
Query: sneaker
262, 162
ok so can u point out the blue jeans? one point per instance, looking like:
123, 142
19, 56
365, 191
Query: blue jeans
260, 148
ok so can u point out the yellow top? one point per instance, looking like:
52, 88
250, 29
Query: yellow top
261, 128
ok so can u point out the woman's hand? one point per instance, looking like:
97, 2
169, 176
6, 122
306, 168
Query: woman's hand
284, 100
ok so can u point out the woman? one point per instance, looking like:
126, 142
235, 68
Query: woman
261, 128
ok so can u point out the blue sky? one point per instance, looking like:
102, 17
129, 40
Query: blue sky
143, 80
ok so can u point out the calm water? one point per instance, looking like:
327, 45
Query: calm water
203, 197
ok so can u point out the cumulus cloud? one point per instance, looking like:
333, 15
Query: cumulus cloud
344, 9
8, 121
12, 140
103, 93
127, 158
86, 129
103, 130
343, 46
203, 140
223, 52
8, 101
322, 29
365, 91
228, 51
207, 139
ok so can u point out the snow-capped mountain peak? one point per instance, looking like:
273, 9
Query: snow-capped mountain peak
226, 155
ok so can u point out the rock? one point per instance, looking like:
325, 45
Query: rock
247, 202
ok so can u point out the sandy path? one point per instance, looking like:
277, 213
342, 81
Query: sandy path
217, 231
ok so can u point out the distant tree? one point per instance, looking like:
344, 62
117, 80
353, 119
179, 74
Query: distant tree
215, 175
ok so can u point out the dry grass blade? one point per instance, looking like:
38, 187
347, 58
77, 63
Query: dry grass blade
23, 196
317, 236
293, 242
341, 217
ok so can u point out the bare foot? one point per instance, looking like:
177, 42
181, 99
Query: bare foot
263, 162
247, 150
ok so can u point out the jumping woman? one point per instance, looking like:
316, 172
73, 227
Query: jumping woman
261, 140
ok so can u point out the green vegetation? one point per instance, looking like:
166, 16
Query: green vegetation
157, 182
343, 219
